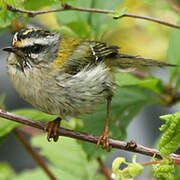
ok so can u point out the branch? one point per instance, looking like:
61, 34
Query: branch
68, 7
175, 5
128, 146
105, 171
34, 154
140, 74
168, 98
151, 162
176, 98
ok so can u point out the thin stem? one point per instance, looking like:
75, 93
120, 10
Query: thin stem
150, 163
93, 10
88, 137
175, 5
157, 162
108, 112
152, 19
34, 154
140, 74
104, 169
176, 98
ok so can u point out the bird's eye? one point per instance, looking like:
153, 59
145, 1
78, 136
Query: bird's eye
36, 48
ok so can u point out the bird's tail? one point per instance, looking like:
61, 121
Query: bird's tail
125, 61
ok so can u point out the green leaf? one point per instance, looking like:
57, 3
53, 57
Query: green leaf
94, 24
80, 28
170, 140
177, 177
126, 79
132, 170
164, 170
6, 126
75, 20
126, 104
38, 173
35, 115
64, 30
67, 1
36, 5
101, 23
68, 156
7, 16
173, 52
71, 16
177, 86
2, 98
154, 85
6, 172
118, 13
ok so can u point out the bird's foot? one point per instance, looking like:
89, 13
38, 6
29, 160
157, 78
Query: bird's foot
52, 129
105, 139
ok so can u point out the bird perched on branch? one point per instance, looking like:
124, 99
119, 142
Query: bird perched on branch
67, 76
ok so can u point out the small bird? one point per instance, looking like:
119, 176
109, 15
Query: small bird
67, 76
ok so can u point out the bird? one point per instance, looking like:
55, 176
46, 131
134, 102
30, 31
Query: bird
67, 76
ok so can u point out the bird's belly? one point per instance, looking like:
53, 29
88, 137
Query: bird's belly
64, 95
29, 85
82, 92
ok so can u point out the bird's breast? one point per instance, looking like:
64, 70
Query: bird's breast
56, 92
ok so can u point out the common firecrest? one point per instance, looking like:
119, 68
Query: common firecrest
66, 76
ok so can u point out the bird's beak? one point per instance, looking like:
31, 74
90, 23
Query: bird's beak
14, 50
18, 53
10, 49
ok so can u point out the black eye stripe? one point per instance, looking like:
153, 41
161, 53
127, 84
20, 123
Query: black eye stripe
36, 48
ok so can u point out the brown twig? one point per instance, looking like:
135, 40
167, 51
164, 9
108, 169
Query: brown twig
176, 98
151, 162
104, 169
175, 5
168, 98
88, 137
155, 162
67, 7
34, 154
140, 74
30, 130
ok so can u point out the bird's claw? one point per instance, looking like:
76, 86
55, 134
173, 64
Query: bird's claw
52, 129
105, 140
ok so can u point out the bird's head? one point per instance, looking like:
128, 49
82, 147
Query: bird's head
33, 47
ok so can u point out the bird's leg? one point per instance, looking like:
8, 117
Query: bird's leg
105, 134
52, 129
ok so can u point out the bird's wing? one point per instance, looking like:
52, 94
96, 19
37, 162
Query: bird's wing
124, 61
76, 54
89, 53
